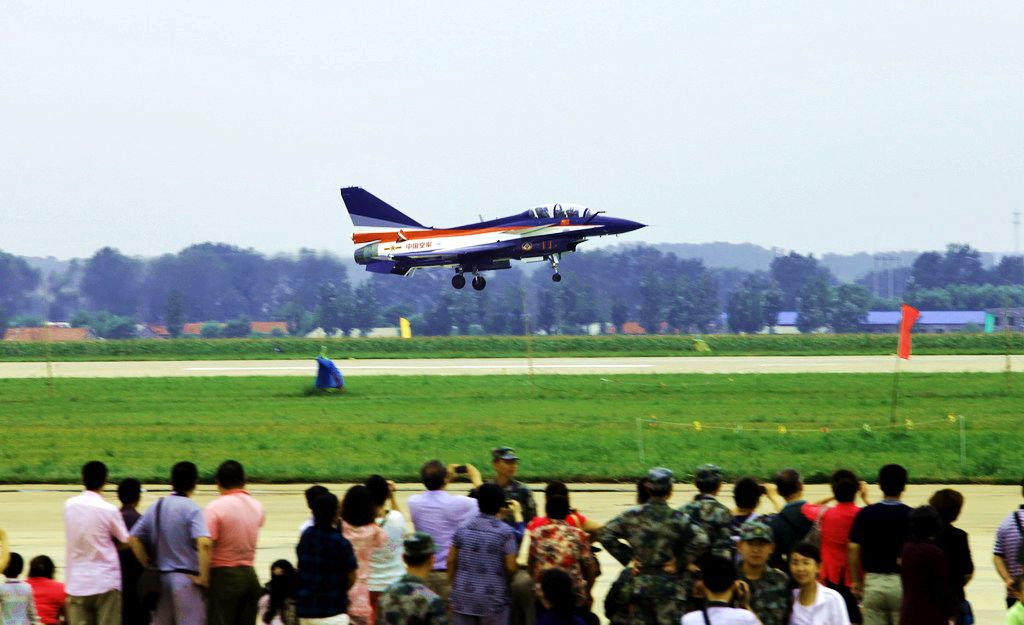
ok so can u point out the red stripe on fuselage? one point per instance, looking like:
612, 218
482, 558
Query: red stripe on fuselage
390, 237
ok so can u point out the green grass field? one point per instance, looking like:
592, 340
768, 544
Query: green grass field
572, 427
511, 347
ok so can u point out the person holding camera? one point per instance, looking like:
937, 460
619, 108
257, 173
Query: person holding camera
439, 513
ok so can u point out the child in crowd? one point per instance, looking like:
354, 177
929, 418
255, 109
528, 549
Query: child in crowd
722, 589
358, 515
813, 604
277, 605
558, 596
16, 604
928, 594
49, 594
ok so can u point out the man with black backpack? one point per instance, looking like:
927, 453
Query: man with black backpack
789, 526
172, 538
1008, 554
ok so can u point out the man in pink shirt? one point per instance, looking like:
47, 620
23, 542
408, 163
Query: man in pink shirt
93, 529
234, 520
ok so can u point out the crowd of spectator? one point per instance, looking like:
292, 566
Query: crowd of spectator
455, 558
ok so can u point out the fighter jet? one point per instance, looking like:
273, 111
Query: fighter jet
393, 242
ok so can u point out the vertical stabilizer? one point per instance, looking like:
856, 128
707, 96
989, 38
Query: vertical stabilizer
370, 213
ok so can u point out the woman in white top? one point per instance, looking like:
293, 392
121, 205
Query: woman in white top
813, 604
386, 566
723, 589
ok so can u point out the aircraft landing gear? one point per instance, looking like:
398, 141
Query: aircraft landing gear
458, 280
479, 283
557, 277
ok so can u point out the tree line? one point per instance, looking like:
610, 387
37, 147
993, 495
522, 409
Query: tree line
215, 282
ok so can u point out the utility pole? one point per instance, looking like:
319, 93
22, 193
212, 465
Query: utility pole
887, 263
1016, 232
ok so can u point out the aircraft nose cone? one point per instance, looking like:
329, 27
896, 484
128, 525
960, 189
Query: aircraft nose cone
619, 226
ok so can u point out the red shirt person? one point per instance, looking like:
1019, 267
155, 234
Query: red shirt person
48, 593
834, 526
556, 544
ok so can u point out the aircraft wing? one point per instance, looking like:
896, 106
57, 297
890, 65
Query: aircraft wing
529, 231
555, 228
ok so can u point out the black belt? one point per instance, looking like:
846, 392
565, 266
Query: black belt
183, 571
653, 570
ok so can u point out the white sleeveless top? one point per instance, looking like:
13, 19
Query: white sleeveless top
386, 566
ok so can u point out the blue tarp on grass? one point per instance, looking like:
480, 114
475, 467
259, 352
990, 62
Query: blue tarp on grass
327, 374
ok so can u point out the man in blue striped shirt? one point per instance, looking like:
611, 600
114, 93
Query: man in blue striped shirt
1006, 554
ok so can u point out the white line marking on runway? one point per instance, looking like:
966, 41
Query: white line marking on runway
415, 367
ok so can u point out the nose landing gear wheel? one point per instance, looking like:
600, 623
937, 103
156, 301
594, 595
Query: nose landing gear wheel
458, 281
479, 283
557, 277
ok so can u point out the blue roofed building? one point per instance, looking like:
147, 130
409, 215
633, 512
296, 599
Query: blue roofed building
931, 321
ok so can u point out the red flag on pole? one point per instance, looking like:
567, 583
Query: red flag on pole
907, 320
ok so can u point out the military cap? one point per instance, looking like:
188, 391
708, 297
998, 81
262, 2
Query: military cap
756, 530
709, 472
660, 476
503, 453
418, 544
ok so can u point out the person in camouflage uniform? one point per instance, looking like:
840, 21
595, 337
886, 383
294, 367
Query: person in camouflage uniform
770, 595
714, 516
506, 465
408, 601
616, 602
657, 542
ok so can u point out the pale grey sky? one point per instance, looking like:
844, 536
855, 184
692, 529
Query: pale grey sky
816, 126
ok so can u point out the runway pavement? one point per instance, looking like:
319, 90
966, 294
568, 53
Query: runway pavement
32, 516
513, 366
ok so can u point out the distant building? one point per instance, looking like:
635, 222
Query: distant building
931, 321
385, 332
151, 331
192, 329
195, 329
48, 334
785, 323
1007, 319
268, 327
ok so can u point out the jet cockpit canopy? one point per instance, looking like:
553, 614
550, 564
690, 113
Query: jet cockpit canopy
559, 211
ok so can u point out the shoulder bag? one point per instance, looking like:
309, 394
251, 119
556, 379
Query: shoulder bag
149, 582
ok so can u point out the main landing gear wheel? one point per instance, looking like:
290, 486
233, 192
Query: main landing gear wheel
479, 283
553, 259
459, 281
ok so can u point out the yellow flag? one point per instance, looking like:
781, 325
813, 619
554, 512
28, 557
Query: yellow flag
404, 328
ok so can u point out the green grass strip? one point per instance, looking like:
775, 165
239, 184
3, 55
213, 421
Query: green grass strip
511, 347
568, 427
